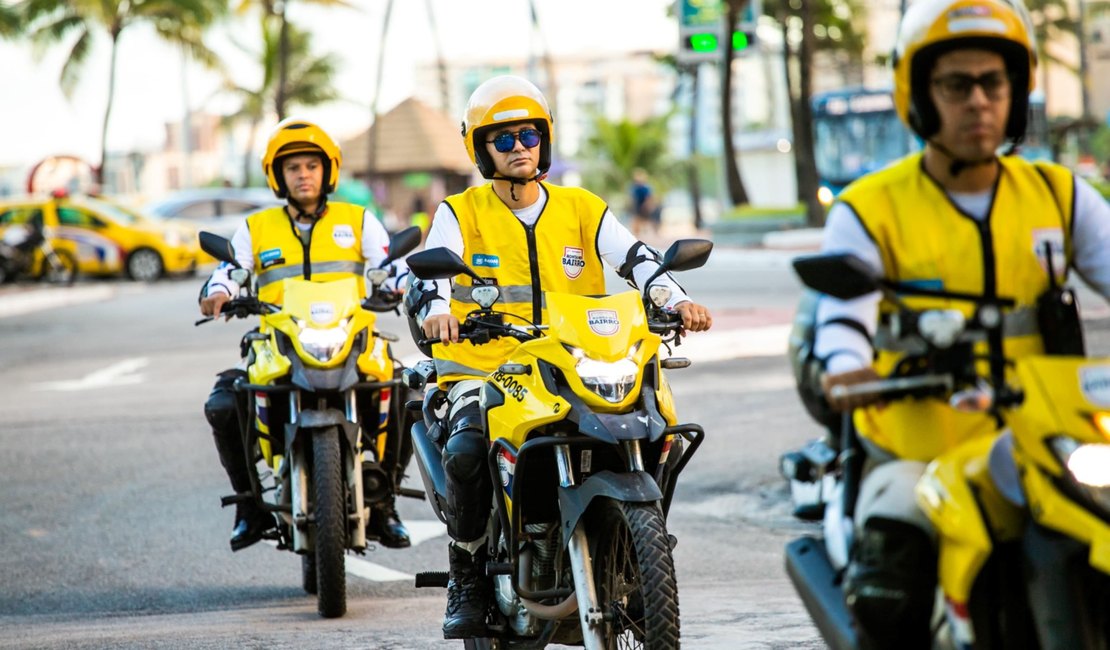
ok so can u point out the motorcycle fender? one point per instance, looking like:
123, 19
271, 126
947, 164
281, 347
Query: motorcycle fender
429, 459
308, 421
634, 487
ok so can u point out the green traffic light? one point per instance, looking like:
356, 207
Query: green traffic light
739, 40
703, 42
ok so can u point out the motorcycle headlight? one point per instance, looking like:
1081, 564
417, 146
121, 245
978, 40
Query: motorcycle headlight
323, 344
610, 380
1088, 465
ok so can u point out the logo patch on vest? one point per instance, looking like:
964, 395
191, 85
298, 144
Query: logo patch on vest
573, 261
343, 235
603, 321
1050, 241
1094, 381
270, 257
490, 261
322, 312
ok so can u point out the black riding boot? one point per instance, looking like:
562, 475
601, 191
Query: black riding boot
468, 595
386, 525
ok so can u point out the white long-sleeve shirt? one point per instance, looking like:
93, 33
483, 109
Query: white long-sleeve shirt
845, 349
613, 243
374, 246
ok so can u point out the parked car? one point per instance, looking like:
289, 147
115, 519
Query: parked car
107, 238
218, 210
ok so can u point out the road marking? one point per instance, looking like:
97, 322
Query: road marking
419, 531
25, 302
119, 374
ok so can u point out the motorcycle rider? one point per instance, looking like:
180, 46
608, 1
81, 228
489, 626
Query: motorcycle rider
308, 237
530, 236
958, 216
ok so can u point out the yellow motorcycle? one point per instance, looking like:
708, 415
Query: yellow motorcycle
320, 381
586, 447
1023, 519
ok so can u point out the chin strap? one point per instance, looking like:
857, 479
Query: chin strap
959, 164
513, 182
321, 208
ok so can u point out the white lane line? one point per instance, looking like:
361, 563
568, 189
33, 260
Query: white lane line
25, 302
420, 531
118, 374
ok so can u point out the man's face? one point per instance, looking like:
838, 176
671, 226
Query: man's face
520, 161
972, 93
304, 176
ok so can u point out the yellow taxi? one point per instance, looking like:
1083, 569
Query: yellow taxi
107, 238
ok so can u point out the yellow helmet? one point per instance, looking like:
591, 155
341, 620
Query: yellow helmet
500, 101
931, 28
294, 135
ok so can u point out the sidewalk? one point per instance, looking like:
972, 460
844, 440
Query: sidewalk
755, 233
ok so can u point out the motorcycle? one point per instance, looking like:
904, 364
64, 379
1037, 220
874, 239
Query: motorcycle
25, 251
584, 455
1022, 518
319, 384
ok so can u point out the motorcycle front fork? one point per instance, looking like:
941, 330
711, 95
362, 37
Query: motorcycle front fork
590, 613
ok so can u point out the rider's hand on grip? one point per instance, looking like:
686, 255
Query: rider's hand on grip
444, 327
213, 304
695, 317
840, 402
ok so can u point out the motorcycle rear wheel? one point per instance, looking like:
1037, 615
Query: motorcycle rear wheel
329, 513
634, 575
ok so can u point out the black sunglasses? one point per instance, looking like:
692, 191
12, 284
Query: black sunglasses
504, 142
957, 87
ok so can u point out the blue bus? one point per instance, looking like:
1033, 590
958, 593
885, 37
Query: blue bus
857, 131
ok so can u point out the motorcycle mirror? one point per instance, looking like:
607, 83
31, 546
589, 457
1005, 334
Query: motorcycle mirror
218, 247
403, 243
659, 294
683, 255
485, 295
376, 277
439, 263
840, 275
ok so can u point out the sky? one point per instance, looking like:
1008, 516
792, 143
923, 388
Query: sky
153, 79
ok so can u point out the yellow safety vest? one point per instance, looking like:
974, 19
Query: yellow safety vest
558, 253
924, 239
334, 250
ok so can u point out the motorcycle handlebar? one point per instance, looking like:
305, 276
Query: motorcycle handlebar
895, 387
241, 308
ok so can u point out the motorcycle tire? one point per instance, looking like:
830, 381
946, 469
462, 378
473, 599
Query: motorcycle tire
61, 270
308, 573
329, 512
634, 575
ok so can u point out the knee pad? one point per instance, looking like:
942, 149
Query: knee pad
891, 582
220, 407
464, 456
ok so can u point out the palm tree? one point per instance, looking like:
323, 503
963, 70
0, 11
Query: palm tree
619, 147
177, 21
274, 11
308, 83
736, 191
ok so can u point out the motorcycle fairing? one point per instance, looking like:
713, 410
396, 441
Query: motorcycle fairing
1056, 404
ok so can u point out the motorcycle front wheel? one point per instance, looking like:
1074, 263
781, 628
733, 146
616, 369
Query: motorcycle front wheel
329, 512
634, 575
